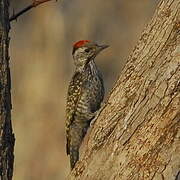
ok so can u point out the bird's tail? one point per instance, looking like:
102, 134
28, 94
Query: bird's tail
77, 136
74, 155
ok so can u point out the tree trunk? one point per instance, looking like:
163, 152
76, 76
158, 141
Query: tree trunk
6, 135
136, 135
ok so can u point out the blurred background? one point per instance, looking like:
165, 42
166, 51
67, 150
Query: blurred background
42, 66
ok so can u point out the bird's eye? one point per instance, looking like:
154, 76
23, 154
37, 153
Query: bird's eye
87, 50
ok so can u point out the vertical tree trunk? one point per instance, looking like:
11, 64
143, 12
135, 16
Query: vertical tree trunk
6, 135
137, 135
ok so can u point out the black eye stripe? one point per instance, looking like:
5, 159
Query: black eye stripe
87, 50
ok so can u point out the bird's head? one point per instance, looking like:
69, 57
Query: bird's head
85, 51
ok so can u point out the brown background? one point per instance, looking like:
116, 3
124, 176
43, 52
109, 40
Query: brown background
41, 67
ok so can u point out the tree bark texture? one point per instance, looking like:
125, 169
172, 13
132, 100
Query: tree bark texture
6, 135
136, 136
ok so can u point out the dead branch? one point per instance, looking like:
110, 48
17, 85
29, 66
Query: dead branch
34, 3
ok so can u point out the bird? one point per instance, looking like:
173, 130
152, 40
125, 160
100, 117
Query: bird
84, 97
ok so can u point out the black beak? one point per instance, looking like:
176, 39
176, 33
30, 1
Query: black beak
101, 47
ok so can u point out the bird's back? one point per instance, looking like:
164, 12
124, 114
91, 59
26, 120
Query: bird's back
86, 91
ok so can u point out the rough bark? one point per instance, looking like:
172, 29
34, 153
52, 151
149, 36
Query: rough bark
136, 135
6, 135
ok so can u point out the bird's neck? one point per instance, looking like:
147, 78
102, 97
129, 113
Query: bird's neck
91, 67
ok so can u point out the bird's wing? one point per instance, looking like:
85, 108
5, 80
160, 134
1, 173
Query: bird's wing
74, 92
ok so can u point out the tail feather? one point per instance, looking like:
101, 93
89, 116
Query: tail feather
74, 140
74, 156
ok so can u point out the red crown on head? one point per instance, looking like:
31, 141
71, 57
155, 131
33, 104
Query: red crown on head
80, 43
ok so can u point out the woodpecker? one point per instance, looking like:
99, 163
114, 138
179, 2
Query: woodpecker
85, 94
